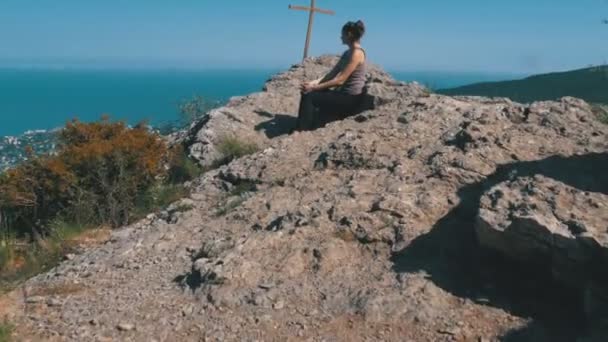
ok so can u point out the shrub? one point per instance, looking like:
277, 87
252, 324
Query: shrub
230, 148
102, 174
28, 260
194, 109
98, 172
243, 187
113, 165
182, 208
7, 252
230, 206
7, 243
158, 197
63, 231
181, 168
428, 88
34, 192
6, 330
601, 111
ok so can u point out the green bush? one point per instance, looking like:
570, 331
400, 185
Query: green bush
103, 174
21, 260
159, 197
7, 252
99, 171
194, 109
113, 165
243, 187
230, 206
182, 168
601, 111
6, 330
64, 230
7, 242
27, 261
230, 148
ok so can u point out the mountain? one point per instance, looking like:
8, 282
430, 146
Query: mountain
425, 218
589, 84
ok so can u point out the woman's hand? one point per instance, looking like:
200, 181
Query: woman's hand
308, 87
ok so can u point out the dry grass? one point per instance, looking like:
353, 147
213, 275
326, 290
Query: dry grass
230, 206
62, 289
91, 238
30, 259
231, 148
345, 235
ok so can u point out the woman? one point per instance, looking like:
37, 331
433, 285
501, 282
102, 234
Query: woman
338, 93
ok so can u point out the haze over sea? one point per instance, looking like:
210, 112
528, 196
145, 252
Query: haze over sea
35, 98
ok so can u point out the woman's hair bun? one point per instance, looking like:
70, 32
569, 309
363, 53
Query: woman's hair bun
360, 27
356, 29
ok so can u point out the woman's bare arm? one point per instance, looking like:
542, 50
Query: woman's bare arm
340, 77
330, 75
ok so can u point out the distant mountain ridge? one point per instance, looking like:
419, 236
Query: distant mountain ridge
589, 84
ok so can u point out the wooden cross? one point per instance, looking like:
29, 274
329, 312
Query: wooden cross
312, 9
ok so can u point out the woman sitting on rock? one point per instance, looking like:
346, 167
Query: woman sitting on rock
338, 93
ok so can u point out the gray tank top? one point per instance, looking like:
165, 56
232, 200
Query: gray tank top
355, 83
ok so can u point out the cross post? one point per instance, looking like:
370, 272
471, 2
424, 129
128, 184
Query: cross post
312, 9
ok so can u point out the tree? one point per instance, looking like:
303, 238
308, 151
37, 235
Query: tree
100, 171
194, 109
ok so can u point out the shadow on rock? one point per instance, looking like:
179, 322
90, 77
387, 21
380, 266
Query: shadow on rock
451, 256
192, 280
279, 124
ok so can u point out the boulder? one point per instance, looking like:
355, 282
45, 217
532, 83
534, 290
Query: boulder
551, 225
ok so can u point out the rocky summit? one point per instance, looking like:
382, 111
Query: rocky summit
426, 218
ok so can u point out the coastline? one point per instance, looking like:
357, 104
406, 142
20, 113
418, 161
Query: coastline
13, 148
42, 140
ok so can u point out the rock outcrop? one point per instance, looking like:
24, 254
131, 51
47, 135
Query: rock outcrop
364, 230
553, 226
259, 117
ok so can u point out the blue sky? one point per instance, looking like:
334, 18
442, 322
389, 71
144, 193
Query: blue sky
466, 35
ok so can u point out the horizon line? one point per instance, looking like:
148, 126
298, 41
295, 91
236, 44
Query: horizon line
159, 67
131, 64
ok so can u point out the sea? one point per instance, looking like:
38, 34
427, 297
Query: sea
35, 102
43, 99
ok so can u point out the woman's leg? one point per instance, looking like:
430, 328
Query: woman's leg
305, 113
308, 113
333, 106
318, 108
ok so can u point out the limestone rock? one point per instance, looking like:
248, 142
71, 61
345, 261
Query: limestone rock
125, 327
361, 230
259, 117
547, 223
